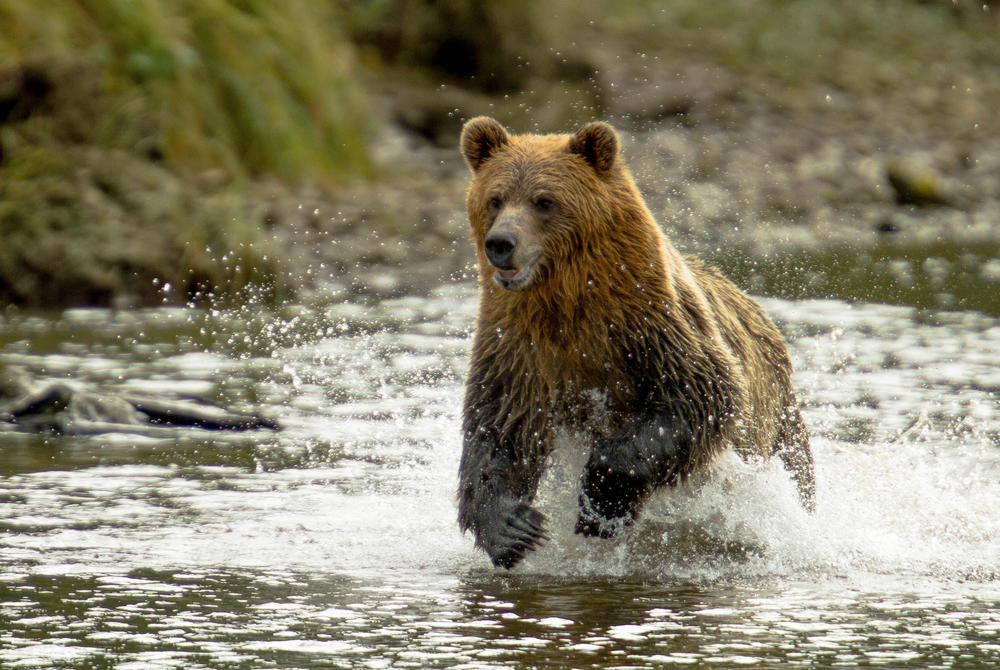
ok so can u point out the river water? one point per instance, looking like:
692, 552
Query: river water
333, 543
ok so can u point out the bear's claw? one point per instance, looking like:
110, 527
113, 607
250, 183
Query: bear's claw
519, 529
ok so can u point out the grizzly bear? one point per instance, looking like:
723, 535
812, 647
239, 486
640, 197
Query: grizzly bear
590, 320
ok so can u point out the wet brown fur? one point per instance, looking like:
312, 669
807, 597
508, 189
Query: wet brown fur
617, 310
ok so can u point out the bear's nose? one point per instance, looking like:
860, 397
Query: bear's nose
500, 249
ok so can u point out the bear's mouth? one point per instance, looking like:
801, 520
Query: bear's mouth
516, 279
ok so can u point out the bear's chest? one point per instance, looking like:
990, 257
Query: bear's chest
579, 390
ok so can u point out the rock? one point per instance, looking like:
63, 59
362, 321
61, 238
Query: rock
887, 226
915, 185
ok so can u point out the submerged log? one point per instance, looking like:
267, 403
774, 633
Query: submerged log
201, 415
66, 409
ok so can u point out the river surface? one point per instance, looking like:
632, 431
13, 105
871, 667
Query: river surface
333, 543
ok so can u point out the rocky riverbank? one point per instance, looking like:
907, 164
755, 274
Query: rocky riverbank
795, 192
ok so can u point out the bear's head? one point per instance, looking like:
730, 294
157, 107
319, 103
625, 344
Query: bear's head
540, 205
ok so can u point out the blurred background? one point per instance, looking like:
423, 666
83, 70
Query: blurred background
176, 151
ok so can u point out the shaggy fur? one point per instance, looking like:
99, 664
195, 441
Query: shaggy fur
595, 322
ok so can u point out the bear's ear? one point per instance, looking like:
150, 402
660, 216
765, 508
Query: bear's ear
481, 138
597, 142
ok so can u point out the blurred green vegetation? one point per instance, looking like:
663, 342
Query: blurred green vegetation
863, 46
250, 86
130, 131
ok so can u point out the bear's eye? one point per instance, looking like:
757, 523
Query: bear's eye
544, 204
494, 203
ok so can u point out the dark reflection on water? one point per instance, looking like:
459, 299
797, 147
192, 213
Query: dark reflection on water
333, 543
939, 275
33, 453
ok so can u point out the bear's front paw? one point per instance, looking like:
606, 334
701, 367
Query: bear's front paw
609, 502
591, 523
515, 530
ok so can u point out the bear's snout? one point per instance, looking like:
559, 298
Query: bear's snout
500, 248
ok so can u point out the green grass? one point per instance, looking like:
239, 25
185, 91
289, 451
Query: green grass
251, 87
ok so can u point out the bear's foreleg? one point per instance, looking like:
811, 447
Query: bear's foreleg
494, 497
624, 469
